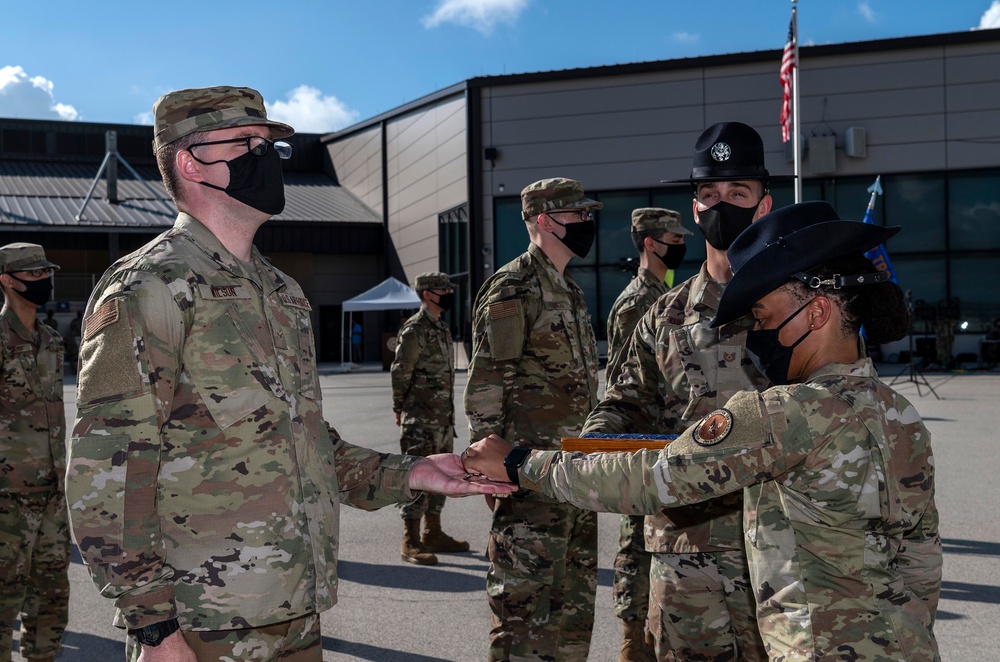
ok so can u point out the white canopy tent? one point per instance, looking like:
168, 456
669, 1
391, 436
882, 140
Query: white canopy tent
390, 294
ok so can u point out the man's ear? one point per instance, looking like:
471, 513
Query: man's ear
765, 205
187, 167
694, 209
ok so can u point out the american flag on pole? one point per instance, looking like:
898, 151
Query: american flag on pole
785, 76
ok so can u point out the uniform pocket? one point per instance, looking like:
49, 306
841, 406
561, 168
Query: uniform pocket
229, 368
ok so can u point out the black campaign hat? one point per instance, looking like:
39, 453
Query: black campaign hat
787, 243
728, 151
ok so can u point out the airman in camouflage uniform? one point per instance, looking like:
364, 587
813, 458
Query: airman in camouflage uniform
677, 370
837, 472
34, 529
204, 484
533, 377
659, 237
423, 386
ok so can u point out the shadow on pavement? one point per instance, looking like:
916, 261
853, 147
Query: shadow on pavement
970, 592
82, 647
978, 547
368, 652
410, 577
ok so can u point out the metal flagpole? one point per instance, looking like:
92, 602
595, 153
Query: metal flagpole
797, 146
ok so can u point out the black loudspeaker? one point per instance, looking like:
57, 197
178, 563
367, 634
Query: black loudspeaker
927, 350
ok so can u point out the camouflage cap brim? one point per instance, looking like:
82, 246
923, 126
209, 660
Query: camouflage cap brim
179, 113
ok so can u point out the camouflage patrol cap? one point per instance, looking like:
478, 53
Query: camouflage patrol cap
556, 193
178, 113
655, 218
21, 256
433, 280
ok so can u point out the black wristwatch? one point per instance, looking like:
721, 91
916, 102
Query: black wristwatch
515, 458
153, 635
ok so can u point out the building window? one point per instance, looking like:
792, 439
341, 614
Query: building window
950, 237
453, 258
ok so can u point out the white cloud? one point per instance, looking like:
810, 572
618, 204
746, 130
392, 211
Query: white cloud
991, 17
308, 111
685, 37
145, 118
480, 15
866, 11
30, 97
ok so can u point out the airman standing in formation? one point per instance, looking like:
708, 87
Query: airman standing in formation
423, 387
658, 236
533, 377
677, 369
204, 484
34, 526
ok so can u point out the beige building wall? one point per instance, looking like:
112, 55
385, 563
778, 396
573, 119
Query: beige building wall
357, 164
426, 176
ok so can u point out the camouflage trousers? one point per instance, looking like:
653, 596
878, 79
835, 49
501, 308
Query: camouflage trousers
542, 580
292, 641
424, 441
702, 607
631, 588
34, 567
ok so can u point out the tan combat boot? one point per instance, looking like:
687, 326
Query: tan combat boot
635, 644
436, 540
412, 551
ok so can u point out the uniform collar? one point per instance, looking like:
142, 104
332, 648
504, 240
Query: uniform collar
14, 322
860, 368
215, 250
562, 280
705, 292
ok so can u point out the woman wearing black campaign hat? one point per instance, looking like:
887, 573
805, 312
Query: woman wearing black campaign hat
840, 521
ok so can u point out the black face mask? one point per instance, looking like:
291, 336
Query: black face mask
769, 355
674, 255
256, 182
445, 301
723, 222
38, 292
579, 236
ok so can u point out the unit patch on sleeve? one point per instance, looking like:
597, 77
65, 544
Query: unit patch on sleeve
714, 428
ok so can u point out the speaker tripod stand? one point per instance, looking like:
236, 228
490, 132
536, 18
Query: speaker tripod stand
915, 376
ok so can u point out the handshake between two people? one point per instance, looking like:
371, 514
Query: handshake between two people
479, 470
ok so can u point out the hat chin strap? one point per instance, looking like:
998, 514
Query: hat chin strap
838, 281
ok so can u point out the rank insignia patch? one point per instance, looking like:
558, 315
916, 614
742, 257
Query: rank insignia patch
714, 428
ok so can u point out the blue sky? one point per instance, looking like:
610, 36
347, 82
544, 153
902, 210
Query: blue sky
323, 65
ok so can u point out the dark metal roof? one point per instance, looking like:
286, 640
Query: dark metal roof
47, 194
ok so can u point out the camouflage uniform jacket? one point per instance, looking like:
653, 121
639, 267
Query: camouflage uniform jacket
203, 482
533, 375
637, 297
676, 371
32, 418
423, 384
840, 525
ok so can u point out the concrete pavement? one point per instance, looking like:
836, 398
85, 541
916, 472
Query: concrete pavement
391, 611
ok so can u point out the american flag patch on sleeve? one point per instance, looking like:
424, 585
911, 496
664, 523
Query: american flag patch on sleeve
502, 309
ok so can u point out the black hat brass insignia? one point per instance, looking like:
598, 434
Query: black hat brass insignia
714, 428
721, 152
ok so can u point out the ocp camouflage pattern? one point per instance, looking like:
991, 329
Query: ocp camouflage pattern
203, 481
34, 527
532, 379
841, 526
423, 381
